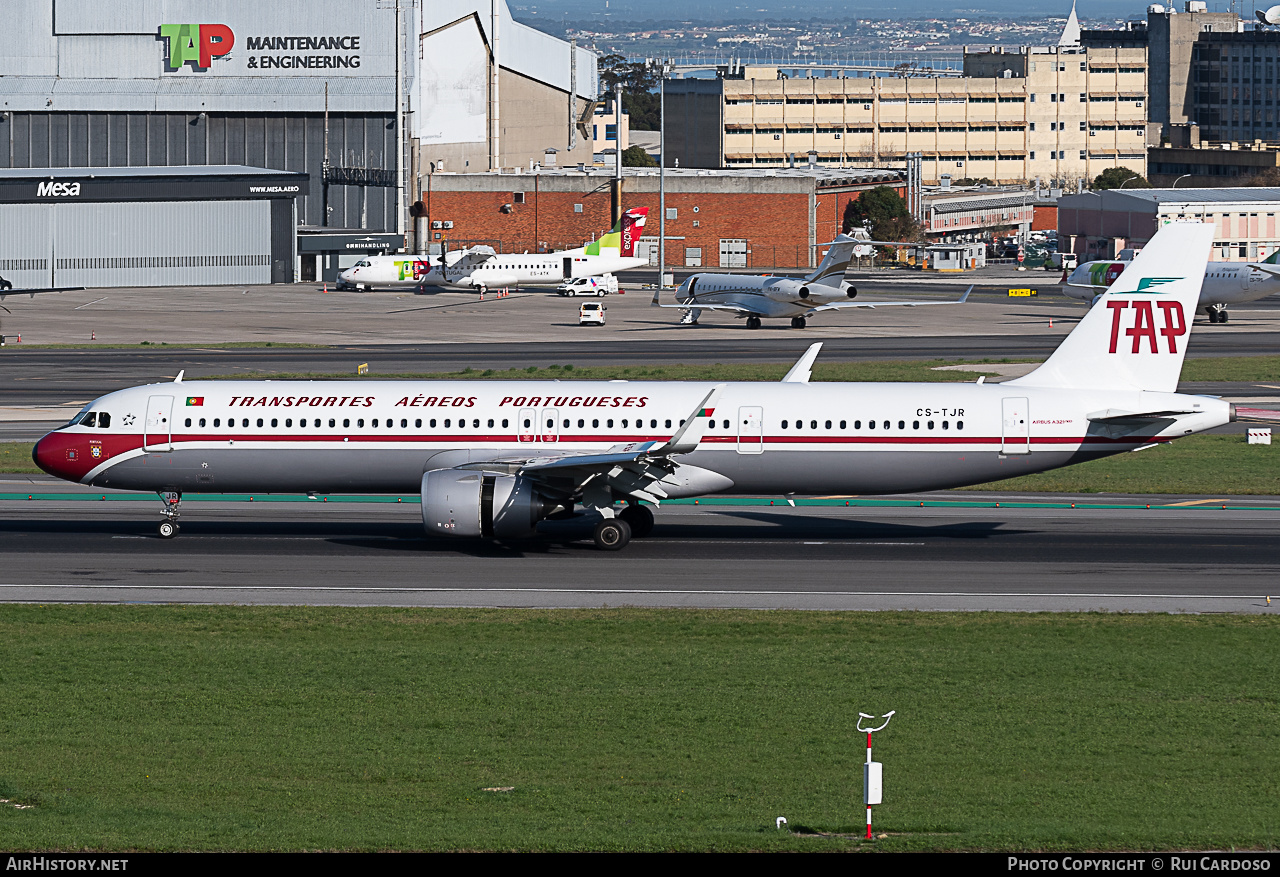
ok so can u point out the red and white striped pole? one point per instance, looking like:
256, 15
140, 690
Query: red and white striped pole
872, 773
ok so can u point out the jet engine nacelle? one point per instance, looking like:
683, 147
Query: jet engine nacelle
850, 291
469, 503
804, 292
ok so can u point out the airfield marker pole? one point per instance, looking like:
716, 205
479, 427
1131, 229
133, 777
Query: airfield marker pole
872, 772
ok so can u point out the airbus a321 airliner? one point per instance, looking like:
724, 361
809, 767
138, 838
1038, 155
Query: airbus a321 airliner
492, 459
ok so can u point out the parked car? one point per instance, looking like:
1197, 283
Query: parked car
591, 314
605, 284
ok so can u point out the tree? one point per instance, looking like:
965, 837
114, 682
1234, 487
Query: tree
635, 156
1269, 177
884, 212
1115, 177
638, 81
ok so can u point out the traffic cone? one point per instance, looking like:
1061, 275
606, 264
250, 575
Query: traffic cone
93, 336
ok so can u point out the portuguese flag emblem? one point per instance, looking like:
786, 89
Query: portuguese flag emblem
706, 412
195, 400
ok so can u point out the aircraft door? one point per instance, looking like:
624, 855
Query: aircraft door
568, 267
156, 433
1015, 433
527, 426
751, 430
548, 425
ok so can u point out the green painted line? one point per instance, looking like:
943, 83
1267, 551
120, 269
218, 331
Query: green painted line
723, 501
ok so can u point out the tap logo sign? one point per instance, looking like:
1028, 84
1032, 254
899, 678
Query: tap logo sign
195, 44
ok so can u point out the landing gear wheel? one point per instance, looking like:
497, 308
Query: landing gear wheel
168, 529
639, 518
753, 322
1222, 316
798, 322
612, 534
1213, 316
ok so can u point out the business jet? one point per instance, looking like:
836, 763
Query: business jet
481, 268
492, 459
757, 296
1225, 283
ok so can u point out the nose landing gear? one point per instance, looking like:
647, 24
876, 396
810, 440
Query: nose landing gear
171, 499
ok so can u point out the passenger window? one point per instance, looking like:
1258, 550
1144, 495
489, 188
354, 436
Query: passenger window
404, 423
375, 423
275, 422
433, 423
259, 422
813, 424
476, 423
915, 424
653, 424
581, 423
360, 423
447, 421
871, 424
784, 424
668, 424
288, 422
332, 422
857, 424
202, 421
317, 423
902, 424
417, 424
217, 421
188, 421
886, 424
944, 424
245, 423
828, 424
526, 423
346, 422
608, 423
90, 419
595, 424
566, 423
931, 424
959, 424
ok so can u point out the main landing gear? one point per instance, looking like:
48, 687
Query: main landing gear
613, 534
169, 526
1218, 313
798, 322
753, 322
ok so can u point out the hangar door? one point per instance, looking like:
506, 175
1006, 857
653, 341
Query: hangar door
26, 258
176, 243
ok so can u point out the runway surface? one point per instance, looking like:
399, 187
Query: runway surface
975, 556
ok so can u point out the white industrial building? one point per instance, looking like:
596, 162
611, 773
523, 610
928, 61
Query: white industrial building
285, 86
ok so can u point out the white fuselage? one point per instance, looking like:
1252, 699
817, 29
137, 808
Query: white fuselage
1225, 283
380, 437
766, 296
493, 272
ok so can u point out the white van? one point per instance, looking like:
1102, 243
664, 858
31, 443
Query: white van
605, 284
591, 314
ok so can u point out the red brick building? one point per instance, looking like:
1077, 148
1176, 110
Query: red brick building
760, 218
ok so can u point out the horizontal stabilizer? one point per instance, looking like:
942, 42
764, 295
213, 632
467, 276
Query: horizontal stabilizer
1273, 270
1113, 415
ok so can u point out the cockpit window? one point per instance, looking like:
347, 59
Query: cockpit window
90, 419
104, 420
363, 263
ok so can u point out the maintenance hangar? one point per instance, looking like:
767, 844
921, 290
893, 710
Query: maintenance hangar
148, 226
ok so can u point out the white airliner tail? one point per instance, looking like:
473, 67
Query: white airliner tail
1135, 337
836, 262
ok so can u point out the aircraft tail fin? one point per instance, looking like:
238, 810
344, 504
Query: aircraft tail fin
1135, 335
623, 236
1273, 259
836, 262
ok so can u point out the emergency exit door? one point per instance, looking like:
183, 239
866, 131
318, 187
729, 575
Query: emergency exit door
156, 432
751, 430
1015, 434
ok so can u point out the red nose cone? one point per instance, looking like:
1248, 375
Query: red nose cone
65, 455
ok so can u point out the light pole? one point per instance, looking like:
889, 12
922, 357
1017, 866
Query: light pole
1175, 182
662, 176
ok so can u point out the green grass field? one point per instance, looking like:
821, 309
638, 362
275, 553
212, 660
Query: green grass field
133, 727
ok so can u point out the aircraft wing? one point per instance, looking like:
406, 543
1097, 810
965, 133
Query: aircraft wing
637, 470
888, 304
32, 292
1115, 415
734, 309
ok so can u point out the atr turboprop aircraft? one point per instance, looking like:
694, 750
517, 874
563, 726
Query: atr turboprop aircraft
492, 459
756, 296
1225, 283
480, 268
